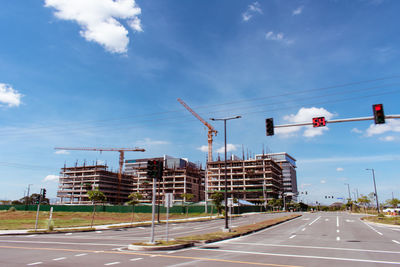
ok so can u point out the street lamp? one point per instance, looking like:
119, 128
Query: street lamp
226, 180
376, 194
348, 188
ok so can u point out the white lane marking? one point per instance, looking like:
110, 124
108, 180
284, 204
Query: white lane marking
327, 220
303, 229
60, 243
299, 256
30, 235
337, 221
35, 263
141, 228
313, 247
99, 231
314, 221
112, 263
136, 259
397, 242
337, 231
347, 220
68, 234
59, 259
372, 228
80, 255
99, 251
305, 219
152, 256
293, 236
338, 238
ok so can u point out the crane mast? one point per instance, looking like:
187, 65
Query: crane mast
121, 158
211, 130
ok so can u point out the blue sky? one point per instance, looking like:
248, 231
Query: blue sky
103, 73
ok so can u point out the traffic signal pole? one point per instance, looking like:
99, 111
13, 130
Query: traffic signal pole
337, 121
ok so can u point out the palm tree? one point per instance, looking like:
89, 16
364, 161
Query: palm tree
95, 196
134, 200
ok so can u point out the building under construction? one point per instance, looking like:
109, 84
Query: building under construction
251, 179
75, 182
179, 177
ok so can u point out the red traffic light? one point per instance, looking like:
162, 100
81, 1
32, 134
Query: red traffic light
378, 107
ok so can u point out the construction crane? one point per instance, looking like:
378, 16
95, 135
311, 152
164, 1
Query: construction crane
121, 158
211, 130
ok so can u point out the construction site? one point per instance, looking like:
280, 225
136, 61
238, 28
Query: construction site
263, 177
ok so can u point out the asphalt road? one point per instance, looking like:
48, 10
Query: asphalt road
315, 239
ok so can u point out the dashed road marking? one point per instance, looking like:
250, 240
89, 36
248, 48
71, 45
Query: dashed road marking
80, 255
303, 229
68, 234
293, 236
136, 259
314, 220
337, 221
59, 259
141, 228
327, 220
397, 242
99, 231
305, 219
35, 263
338, 238
337, 231
112, 263
31, 235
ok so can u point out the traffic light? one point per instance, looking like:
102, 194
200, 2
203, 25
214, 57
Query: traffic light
37, 199
269, 123
379, 116
152, 168
160, 168
44, 193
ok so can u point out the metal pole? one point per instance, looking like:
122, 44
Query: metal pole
348, 188
226, 185
37, 211
376, 193
167, 221
153, 212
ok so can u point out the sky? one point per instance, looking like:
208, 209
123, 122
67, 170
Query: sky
104, 73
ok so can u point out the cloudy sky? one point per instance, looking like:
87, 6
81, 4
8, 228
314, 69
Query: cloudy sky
103, 73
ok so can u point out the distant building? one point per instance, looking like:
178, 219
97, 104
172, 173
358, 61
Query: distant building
251, 179
180, 176
289, 176
75, 182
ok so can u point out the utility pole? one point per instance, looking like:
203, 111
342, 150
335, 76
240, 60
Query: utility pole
348, 188
376, 193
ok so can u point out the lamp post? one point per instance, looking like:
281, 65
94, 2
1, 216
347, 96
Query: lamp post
376, 194
226, 179
348, 188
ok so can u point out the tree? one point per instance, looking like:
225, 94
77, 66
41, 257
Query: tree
134, 200
95, 196
186, 197
364, 201
217, 198
394, 202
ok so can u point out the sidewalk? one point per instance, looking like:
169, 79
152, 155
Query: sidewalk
101, 227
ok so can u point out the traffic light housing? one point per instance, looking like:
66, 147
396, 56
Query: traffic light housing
379, 115
44, 193
154, 169
269, 124
37, 199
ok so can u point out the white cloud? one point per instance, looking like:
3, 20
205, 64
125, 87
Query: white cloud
9, 96
51, 178
305, 115
150, 142
305, 185
99, 20
388, 138
62, 152
229, 147
297, 11
389, 126
278, 37
339, 169
323, 181
355, 130
203, 148
251, 10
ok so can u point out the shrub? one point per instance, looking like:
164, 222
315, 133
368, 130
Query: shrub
12, 209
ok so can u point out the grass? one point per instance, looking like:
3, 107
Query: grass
220, 235
385, 220
22, 220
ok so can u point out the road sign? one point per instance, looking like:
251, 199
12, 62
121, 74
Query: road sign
230, 202
169, 200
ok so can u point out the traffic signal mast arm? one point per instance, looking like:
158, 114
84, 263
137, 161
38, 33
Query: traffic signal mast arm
339, 120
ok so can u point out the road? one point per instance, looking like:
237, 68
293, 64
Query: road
315, 239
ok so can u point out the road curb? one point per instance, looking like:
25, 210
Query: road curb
154, 248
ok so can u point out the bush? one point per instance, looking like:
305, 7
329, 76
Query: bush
12, 209
380, 215
50, 225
